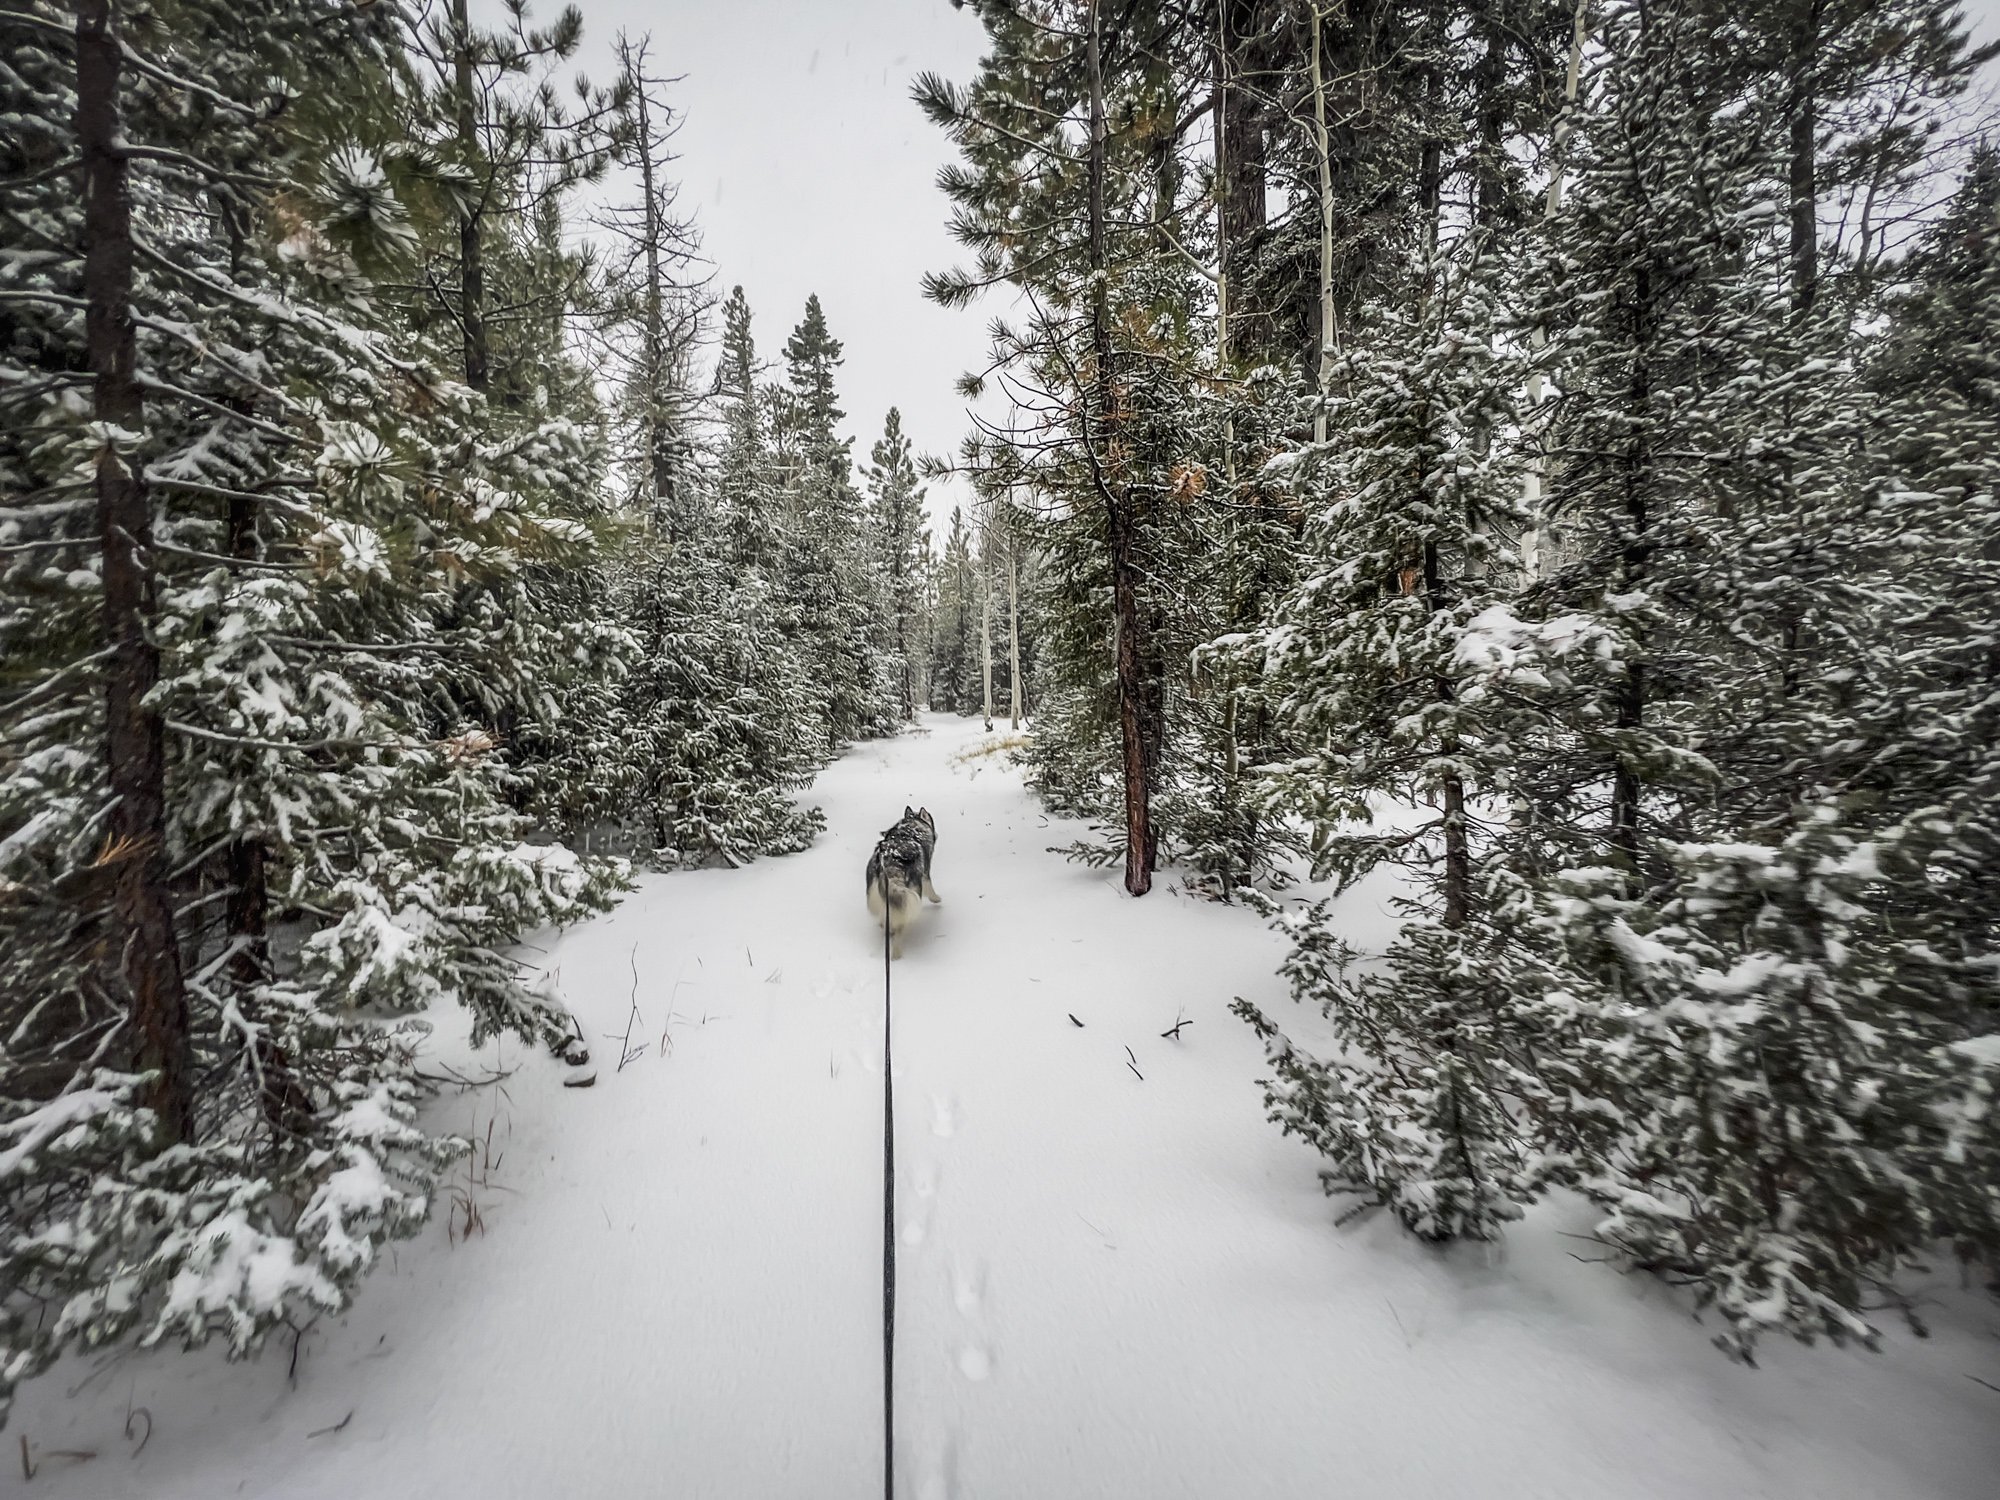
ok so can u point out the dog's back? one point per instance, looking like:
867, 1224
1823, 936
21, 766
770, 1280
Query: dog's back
899, 873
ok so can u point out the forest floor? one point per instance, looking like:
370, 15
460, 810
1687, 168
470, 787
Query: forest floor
1117, 1280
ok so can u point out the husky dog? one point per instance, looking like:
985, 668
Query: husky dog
899, 874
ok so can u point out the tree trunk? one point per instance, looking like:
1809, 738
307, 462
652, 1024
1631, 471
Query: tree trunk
1801, 106
1437, 591
1629, 702
1227, 192
1533, 542
147, 958
659, 445
472, 270
1489, 81
1457, 848
1240, 173
986, 620
284, 1103
1323, 151
1014, 633
905, 646
1117, 505
1430, 151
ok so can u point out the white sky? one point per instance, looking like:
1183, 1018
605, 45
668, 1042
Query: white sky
810, 170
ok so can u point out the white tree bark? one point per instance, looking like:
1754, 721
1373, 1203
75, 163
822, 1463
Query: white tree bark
986, 616
1014, 632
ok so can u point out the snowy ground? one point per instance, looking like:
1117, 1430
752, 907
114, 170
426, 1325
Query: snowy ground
1113, 1286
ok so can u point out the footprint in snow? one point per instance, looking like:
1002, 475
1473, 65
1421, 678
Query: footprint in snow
968, 1295
917, 1227
968, 1289
944, 1117
940, 1482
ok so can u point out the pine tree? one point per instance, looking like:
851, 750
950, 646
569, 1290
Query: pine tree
954, 664
901, 545
298, 496
748, 499
825, 569
718, 712
1047, 81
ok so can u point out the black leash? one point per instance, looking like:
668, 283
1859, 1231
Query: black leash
888, 1223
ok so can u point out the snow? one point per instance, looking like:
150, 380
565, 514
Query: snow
1111, 1285
1983, 1051
48, 1121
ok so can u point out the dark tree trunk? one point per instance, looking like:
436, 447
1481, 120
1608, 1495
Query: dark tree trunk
1489, 76
660, 446
472, 267
145, 949
1457, 848
1240, 121
281, 1099
1430, 155
1801, 106
1630, 699
1117, 506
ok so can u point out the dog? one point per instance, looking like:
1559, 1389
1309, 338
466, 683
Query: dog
899, 874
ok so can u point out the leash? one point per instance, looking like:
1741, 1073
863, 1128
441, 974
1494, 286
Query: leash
888, 1223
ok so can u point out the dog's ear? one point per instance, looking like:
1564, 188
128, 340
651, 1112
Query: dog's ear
909, 811
925, 814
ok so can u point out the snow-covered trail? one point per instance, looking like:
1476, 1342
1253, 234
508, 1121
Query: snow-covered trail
1117, 1280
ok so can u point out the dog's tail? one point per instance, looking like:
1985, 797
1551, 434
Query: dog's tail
890, 891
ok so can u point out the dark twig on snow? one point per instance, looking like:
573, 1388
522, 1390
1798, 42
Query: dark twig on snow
1072, 1019
1399, 1321
1180, 1020
626, 1051
299, 1331
147, 1436
1133, 1063
448, 1074
1987, 1383
322, 1432
29, 1468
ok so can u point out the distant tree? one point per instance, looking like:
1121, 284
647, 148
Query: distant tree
901, 544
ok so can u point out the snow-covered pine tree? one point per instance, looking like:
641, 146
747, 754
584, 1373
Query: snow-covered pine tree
711, 710
1706, 876
748, 493
1917, 767
954, 669
1410, 495
244, 661
718, 717
835, 608
900, 542
490, 153
656, 297
1106, 212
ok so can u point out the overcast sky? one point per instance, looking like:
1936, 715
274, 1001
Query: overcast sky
811, 171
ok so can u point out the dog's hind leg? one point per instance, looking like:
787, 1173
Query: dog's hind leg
930, 891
